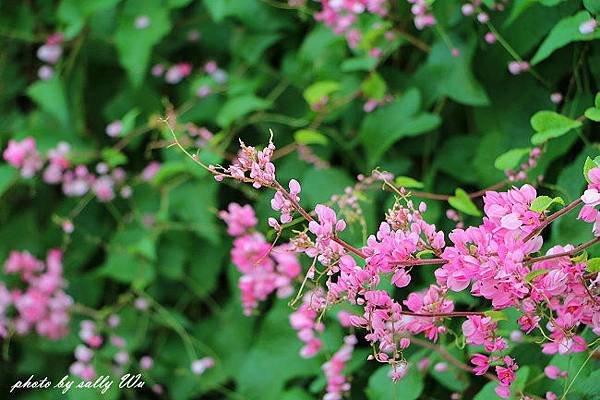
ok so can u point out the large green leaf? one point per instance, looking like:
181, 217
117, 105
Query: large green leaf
446, 75
237, 107
394, 121
550, 125
381, 387
135, 45
565, 32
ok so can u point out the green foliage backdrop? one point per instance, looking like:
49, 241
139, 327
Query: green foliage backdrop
445, 121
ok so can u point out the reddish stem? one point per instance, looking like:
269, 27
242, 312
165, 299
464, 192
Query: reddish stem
565, 253
448, 314
307, 216
425, 261
551, 218
445, 197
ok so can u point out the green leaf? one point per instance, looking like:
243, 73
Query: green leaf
590, 164
565, 32
593, 265
549, 125
592, 6
511, 159
408, 182
391, 122
113, 157
359, 64
75, 12
237, 107
593, 113
7, 177
374, 87
315, 92
308, 136
192, 202
462, 202
275, 353
542, 203
534, 274
128, 121
381, 387
445, 75
597, 100
50, 96
135, 45
496, 315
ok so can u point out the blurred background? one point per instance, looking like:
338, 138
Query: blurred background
91, 82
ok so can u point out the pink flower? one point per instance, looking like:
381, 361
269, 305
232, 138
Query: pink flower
142, 22
239, 219
114, 129
333, 369
150, 170
23, 155
552, 371
588, 27
146, 362
481, 362
200, 366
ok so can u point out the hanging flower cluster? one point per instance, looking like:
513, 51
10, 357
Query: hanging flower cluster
40, 302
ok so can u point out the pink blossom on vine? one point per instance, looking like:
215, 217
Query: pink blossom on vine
115, 128
23, 155
304, 321
177, 72
239, 219
51, 51
255, 162
150, 171
587, 27
45, 72
141, 22
337, 384
146, 363
285, 204
200, 366
481, 362
43, 304
552, 372
591, 199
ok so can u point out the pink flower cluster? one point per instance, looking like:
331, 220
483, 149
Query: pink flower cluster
174, 74
399, 239
23, 155
342, 16
50, 53
423, 16
201, 365
495, 259
521, 173
76, 180
337, 384
42, 304
256, 163
265, 268
591, 199
492, 255
305, 321
505, 368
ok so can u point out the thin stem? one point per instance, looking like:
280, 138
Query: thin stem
551, 218
447, 314
306, 215
427, 261
445, 197
565, 253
